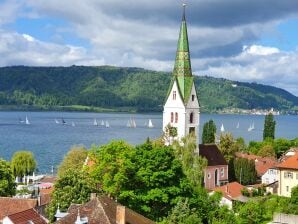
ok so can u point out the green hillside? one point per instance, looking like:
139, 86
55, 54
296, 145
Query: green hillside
126, 89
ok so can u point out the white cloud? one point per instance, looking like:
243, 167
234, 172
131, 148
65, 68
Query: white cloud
260, 50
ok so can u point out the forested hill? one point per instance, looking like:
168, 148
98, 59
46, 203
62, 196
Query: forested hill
133, 89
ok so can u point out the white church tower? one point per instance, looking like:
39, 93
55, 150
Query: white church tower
181, 110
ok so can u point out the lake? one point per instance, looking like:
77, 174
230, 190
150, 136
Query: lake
50, 141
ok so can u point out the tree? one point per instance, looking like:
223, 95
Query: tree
269, 127
245, 171
7, 182
266, 151
23, 163
193, 165
294, 195
209, 131
228, 146
147, 178
73, 187
252, 213
74, 159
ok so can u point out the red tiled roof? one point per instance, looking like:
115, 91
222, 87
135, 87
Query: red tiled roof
212, 154
289, 163
25, 216
232, 190
10, 206
262, 164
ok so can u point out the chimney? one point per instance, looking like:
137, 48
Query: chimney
120, 214
92, 196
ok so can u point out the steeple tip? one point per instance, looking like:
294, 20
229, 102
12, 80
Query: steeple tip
183, 15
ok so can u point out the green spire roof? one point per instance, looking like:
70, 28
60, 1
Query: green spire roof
182, 68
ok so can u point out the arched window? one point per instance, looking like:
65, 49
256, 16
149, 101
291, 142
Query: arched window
172, 117
191, 118
174, 95
176, 117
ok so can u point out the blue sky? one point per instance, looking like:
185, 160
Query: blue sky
253, 41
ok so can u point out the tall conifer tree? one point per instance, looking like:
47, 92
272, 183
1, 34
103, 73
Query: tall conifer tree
269, 127
209, 130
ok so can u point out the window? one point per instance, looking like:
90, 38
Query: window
192, 130
209, 176
172, 117
191, 118
287, 187
222, 172
176, 117
288, 175
174, 95
192, 97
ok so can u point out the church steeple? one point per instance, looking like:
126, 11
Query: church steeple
182, 68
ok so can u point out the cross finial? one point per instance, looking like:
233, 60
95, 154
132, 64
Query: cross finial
184, 6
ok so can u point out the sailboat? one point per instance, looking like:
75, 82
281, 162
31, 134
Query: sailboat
95, 122
150, 124
56, 121
63, 122
107, 124
128, 124
20, 120
222, 129
73, 124
102, 123
237, 125
251, 127
131, 123
27, 121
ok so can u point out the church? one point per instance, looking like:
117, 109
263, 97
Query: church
181, 115
181, 110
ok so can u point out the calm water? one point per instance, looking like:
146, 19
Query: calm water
50, 141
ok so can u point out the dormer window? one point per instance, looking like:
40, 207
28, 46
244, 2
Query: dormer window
192, 97
174, 95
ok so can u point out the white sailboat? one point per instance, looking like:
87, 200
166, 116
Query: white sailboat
237, 125
107, 124
128, 124
133, 123
150, 124
27, 120
102, 123
95, 122
251, 127
56, 121
222, 129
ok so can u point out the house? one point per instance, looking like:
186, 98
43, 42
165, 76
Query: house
270, 176
9, 206
287, 175
102, 210
24, 217
230, 192
216, 172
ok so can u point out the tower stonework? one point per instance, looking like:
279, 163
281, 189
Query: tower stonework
181, 110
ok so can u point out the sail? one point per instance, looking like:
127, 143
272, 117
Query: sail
253, 126
95, 122
150, 124
102, 123
27, 121
56, 121
128, 124
134, 125
237, 125
222, 129
107, 124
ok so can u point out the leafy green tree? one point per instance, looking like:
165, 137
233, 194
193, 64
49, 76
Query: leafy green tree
74, 159
245, 171
147, 178
266, 151
73, 186
228, 146
182, 214
193, 165
7, 181
269, 127
209, 131
252, 213
294, 195
23, 163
